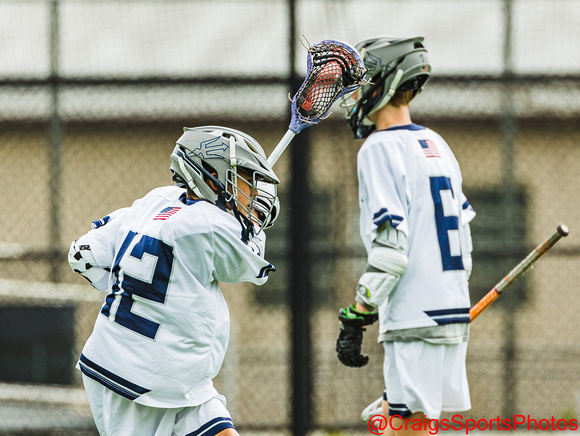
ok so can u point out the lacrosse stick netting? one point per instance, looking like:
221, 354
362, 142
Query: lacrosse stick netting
334, 68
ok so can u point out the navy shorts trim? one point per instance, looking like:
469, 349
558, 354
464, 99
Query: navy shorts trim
397, 409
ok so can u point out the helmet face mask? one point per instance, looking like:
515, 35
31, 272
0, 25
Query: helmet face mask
267, 203
392, 64
253, 197
223, 166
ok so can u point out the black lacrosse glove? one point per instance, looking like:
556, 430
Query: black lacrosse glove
350, 337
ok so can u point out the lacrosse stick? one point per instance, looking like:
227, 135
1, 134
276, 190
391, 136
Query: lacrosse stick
375, 408
334, 68
518, 271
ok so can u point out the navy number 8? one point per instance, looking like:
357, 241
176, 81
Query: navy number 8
447, 220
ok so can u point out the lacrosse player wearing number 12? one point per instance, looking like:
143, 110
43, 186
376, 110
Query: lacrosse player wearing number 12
414, 222
162, 332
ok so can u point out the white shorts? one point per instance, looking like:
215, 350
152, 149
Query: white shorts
115, 415
424, 377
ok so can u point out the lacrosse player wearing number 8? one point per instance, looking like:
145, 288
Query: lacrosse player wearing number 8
414, 222
162, 332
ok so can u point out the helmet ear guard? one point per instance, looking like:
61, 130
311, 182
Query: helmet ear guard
223, 196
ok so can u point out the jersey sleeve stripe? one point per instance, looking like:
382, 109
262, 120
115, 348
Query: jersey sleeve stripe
383, 216
100, 223
264, 271
213, 427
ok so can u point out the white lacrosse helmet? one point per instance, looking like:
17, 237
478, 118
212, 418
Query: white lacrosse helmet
224, 156
392, 64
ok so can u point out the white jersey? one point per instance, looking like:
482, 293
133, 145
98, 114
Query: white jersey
409, 177
163, 330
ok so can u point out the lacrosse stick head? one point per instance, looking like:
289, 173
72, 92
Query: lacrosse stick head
334, 68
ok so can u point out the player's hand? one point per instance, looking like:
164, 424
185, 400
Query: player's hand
82, 261
350, 337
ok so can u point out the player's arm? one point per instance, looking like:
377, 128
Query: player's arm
386, 178
467, 214
83, 262
387, 262
92, 254
466, 249
233, 260
113, 216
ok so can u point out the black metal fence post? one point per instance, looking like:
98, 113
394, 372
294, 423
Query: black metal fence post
299, 286
55, 144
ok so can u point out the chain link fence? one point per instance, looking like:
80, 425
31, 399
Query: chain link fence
93, 95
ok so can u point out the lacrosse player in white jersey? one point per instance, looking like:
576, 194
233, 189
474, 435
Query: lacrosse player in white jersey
414, 222
162, 332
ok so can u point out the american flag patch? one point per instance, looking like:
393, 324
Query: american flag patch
166, 213
429, 148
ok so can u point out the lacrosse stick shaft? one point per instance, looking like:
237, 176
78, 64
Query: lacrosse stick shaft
517, 272
284, 142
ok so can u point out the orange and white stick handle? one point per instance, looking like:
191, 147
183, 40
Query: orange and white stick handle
518, 271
